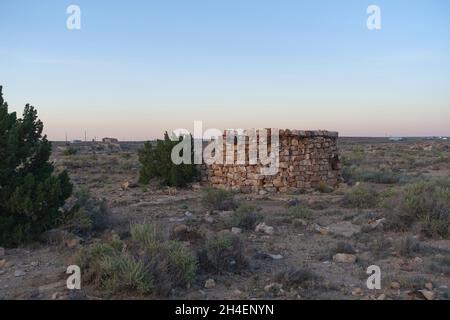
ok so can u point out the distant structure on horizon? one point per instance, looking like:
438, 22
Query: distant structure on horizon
396, 138
110, 140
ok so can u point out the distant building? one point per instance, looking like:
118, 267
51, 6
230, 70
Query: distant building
396, 139
110, 140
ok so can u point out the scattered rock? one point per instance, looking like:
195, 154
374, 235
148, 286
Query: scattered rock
56, 296
236, 230
299, 222
224, 214
344, 258
344, 229
276, 256
356, 291
381, 297
209, 219
19, 273
322, 230
274, 287
2, 263
2, 252
210, 284
72, 243
262, 227
395, 285
429, 286
188, 214
203, 293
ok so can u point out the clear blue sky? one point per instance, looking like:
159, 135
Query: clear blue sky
137, 68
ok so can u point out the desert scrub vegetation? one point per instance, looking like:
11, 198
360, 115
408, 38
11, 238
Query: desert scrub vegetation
222, 252
425, 205
218, 199
156, 163
362, 197
31, 195
147, 264
302, 278
300, 212
86, 215
246, 217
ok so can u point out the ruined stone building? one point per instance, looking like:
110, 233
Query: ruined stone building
306, 160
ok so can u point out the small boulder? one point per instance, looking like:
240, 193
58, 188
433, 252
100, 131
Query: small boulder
356, 291
274, 287
276, 256
344, 258
381, 297
210, 284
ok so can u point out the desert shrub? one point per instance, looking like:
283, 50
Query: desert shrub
300, 212
362, 197
69, 151
222, 252
149, 264
31, 195
425, 204
156, 162
90, 259
88, 214
218, 199
246, 217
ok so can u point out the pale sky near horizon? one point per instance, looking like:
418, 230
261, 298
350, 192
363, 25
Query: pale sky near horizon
138, 68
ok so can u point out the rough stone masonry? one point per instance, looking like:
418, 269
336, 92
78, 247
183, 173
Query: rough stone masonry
307, 160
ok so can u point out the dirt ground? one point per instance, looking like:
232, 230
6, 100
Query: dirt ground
37, 271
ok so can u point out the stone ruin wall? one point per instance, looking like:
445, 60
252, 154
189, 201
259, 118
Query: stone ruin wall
307, 160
